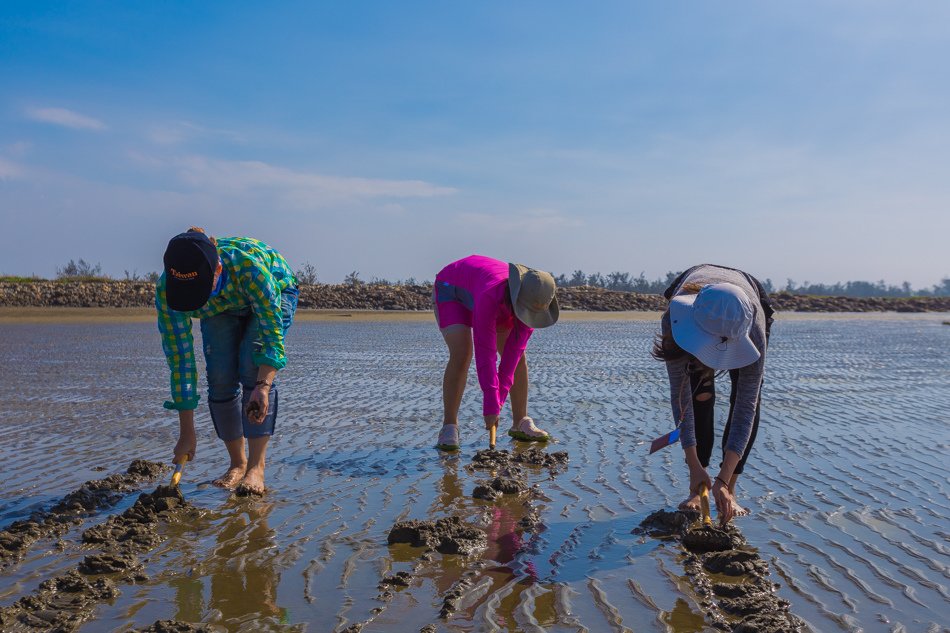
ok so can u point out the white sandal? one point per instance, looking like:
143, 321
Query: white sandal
449, 438
526, 431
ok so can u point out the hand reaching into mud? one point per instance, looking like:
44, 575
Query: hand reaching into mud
187, 443
257, 405
697, 477
725, 503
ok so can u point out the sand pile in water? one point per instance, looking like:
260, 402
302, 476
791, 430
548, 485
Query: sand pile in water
65, 602
74, 508
748, 605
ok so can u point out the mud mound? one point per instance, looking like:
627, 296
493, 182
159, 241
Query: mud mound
447, 536
709, 538
176, 626
716, 550
73, 508
666, 523
735, 563
453, 597
769, 623
490, 459
485, 492
61, 603
66, 601
534, 456
399, 579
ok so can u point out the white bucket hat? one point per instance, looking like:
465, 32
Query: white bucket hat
714, 326
533, 296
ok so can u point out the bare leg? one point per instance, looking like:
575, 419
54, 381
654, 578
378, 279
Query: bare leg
519, 391
254, 477
740, 511
519, 388
458, 338
691, 503
703, 401
238, 465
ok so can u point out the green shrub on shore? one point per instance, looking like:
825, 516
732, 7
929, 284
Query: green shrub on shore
15, 279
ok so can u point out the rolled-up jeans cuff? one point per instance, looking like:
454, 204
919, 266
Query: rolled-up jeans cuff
226, 416
265, 428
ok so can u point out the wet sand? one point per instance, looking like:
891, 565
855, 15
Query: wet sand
10, 315
147, 315
848, 484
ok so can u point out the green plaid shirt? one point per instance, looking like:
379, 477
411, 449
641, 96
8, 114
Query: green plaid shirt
256, 275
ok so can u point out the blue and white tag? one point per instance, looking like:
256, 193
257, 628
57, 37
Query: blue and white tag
665, 440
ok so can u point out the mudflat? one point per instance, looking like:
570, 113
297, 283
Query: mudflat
143, 315
847, 485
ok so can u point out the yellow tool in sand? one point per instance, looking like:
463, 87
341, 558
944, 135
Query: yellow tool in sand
179, 467
491, 437
704, 504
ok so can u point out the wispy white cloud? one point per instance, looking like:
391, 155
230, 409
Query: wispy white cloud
179, 132
65, 118
531, 220
301, 188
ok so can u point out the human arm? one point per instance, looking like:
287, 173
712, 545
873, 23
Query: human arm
260, 398
725, 501
187, 439
511, 355
178, 346
485, 343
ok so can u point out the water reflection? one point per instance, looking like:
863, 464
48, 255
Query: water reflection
239, 575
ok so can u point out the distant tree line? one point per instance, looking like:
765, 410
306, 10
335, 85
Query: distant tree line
868, 289
624, 282
628, 283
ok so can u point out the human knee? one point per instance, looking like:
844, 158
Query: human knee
223, 390
706, 391
460, 355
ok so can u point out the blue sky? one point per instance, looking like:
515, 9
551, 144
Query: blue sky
808, 140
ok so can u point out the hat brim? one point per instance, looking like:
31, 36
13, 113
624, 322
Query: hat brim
532, 318
186, 296
708, 348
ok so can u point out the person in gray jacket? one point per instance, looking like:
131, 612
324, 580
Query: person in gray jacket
718, 320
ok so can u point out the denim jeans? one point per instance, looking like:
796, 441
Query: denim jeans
229, 340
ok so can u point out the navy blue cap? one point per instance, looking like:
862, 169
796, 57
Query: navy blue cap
190, 262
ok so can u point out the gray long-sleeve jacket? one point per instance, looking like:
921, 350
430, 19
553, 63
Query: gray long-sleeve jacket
748, 379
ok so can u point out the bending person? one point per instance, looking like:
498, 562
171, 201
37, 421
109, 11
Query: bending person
492, 306
245, 295
718, 319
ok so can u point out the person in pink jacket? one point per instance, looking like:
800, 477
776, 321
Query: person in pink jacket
491, 306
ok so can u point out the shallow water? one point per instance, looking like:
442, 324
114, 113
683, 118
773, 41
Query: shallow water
849, 481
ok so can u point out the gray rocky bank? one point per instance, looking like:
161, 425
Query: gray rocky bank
131, 294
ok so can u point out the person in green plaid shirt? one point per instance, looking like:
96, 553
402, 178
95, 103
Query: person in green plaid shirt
245, 295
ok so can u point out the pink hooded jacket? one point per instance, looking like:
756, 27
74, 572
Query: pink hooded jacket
486, 279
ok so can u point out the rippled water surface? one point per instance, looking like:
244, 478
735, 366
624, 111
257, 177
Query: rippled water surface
848, 482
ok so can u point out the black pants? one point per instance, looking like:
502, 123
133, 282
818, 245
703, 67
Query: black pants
703, 409
703, 384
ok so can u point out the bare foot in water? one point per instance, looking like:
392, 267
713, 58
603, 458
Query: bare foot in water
691, 503
231, 478
253, 483
739, 510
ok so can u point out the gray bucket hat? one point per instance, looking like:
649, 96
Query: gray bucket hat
533, 296
714, 326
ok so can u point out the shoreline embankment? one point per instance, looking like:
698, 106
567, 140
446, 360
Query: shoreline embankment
418, 298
